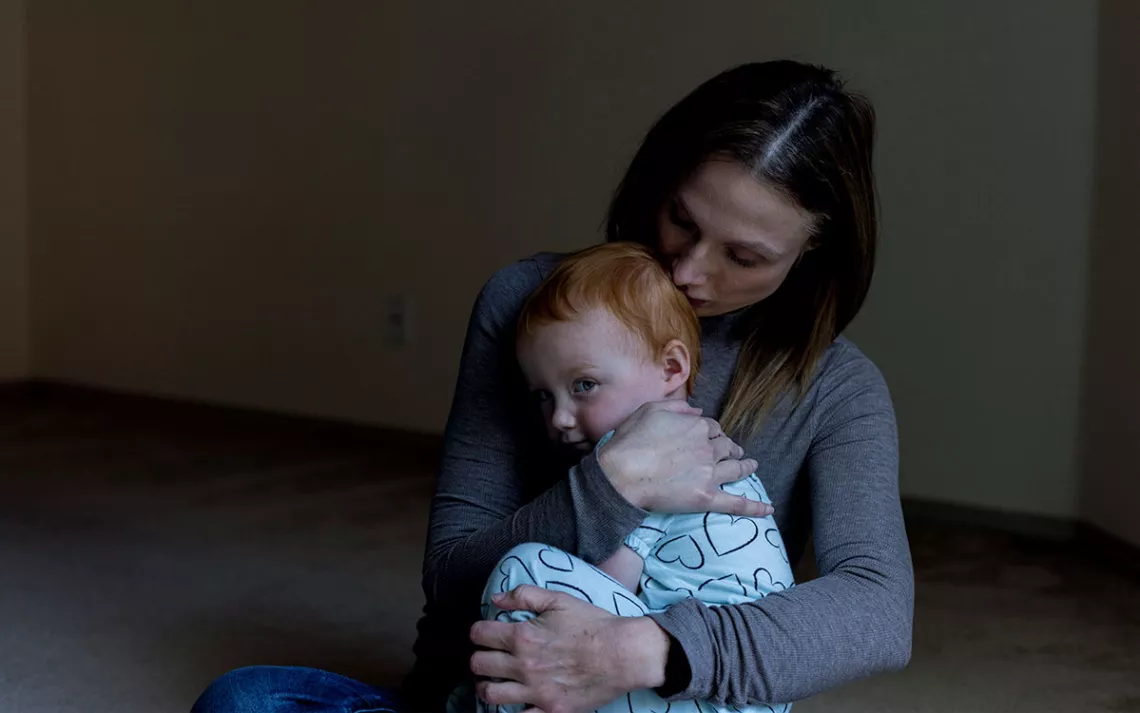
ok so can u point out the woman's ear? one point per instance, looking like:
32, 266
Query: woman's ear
676, 366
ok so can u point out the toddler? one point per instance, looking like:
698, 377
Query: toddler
606, 332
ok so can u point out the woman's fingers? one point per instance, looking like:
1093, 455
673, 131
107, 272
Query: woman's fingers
526, 597
738, 505
725, 448
495, 664
495, 635
730, 470
501, 693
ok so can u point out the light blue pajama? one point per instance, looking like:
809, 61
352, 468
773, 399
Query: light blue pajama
718, 559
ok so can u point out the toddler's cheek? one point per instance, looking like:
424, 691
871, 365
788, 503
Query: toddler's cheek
601, 421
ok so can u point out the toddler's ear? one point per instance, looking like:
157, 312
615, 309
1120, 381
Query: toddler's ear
676, 366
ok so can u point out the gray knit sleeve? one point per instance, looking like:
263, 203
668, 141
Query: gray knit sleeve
490, 494
855, 619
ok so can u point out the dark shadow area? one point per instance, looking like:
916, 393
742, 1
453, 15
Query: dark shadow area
1110, 384
153, 545
159, 544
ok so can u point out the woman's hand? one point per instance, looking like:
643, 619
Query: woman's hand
666, 458
572, 658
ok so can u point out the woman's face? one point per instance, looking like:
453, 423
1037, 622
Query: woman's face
729, 239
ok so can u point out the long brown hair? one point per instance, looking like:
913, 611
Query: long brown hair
797, 129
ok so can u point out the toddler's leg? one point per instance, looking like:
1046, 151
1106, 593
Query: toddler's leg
551, 568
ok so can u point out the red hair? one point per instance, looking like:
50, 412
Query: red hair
626, 280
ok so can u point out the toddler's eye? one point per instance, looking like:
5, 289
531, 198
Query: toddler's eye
540, 397
581, 386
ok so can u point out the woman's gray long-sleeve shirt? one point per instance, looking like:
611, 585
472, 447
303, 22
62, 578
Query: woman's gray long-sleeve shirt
828, 461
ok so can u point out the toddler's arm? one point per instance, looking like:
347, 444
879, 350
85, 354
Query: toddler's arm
625, 566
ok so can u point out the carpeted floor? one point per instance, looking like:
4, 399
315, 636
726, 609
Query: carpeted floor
147, 547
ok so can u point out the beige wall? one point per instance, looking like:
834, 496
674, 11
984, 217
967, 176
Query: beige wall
985, 160
1111, 496
14, 333
225, 194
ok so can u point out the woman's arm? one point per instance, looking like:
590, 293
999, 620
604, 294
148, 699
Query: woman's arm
855, 619
480, 508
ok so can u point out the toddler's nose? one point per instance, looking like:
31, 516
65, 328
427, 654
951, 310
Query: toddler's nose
563, 419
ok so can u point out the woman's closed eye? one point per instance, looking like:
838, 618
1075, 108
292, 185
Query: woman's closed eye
583, 386
744, 258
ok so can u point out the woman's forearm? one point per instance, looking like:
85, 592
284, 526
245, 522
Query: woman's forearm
854, 620
581, 514
793, 644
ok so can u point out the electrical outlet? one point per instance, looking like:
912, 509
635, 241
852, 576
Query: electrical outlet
396, 332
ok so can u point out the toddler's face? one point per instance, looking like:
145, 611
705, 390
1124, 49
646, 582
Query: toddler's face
589, 375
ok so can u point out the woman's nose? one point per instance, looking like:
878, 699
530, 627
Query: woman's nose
689, 268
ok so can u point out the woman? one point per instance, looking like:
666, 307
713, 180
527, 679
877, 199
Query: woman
757, 191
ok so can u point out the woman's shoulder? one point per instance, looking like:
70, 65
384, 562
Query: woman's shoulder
845, 372
503, 294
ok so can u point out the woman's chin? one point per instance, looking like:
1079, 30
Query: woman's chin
710, 309
719, 309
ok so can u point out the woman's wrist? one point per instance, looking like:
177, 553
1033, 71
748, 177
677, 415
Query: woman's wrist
647, 645
614, 467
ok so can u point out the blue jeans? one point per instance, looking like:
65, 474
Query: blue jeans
292, 689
